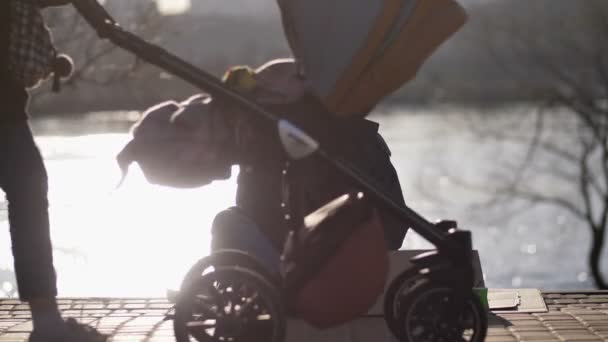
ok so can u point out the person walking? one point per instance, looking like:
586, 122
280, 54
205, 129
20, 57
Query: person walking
27, 57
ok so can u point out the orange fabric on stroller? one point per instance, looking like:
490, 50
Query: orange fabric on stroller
340, 265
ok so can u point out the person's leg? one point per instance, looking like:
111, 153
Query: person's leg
232, 229
24, 180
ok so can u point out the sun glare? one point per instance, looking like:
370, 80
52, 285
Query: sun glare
137, 240
169, 7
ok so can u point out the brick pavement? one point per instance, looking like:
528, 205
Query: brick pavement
124, 319
571, 317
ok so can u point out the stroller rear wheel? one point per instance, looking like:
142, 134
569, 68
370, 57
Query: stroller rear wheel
229, 304
436, 312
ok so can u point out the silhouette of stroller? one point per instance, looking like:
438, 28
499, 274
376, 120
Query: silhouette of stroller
240, 295
244, 293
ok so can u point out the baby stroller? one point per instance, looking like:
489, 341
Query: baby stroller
233, 295
239, 295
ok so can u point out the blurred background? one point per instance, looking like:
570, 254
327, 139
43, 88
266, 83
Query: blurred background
505, 130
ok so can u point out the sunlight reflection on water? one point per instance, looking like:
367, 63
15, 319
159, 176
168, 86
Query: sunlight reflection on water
139, 240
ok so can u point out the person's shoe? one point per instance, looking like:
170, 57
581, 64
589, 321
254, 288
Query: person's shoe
73, 332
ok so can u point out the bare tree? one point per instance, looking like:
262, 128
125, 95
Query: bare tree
96, 61
557, 51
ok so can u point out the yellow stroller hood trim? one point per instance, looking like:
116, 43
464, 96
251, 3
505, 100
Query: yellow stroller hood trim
356, 52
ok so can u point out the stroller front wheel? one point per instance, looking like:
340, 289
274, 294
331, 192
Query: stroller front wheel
231, 304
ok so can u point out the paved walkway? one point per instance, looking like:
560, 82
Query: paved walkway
571, 317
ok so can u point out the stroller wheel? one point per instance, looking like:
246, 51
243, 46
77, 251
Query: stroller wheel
229, 304
436, 312
398, 288
225, 258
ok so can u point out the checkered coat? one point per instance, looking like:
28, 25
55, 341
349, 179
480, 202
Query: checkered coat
31, 53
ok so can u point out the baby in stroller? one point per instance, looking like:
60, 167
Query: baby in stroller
275, 196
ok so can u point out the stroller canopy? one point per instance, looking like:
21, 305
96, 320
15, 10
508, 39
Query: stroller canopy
356, 52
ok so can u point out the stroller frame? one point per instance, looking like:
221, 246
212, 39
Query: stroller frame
444, 273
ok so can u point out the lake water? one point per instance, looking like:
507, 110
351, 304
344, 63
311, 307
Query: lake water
139, 240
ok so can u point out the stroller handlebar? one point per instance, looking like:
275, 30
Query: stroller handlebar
95, 14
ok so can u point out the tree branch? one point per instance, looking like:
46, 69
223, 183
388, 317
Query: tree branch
584, 182
537, 198
604, 162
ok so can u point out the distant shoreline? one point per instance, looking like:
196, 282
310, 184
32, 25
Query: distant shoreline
39, 112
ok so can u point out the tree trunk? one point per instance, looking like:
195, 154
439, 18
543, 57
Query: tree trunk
594, 259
